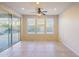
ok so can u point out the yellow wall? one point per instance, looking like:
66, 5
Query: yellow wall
38, 37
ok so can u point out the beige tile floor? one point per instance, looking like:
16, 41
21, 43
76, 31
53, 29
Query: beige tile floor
37, 49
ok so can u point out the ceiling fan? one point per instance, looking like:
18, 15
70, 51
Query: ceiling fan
40, 11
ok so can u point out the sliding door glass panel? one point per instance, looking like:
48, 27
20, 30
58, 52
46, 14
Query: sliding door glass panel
3, 31
31, 26
40, 25
15, 29
49, 25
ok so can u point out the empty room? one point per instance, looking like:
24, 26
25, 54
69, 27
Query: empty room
39, 29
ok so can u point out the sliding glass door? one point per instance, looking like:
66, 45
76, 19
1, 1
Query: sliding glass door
9, 30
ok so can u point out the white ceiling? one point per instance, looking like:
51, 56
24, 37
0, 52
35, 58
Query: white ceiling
29, 7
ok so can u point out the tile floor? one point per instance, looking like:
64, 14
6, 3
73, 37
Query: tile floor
37, 49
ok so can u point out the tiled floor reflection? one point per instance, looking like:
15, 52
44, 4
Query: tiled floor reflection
38, 49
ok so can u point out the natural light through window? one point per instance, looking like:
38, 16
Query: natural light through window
40, 25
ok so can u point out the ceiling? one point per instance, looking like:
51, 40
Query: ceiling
29, 8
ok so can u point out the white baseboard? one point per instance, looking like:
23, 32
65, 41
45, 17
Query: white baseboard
70, 48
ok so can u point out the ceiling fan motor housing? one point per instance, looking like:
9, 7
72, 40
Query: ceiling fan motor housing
39, 10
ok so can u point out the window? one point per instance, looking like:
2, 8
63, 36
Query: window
31, 26
40, 25
49, 25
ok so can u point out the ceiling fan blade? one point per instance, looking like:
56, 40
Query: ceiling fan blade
43, 13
